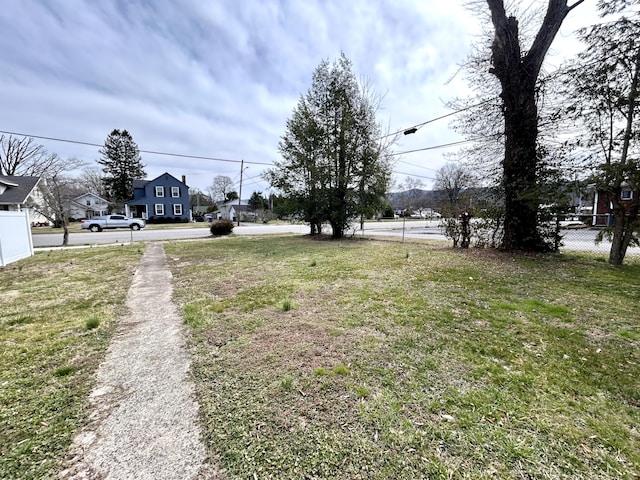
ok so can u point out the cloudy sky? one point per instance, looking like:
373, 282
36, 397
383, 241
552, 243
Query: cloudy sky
219, 78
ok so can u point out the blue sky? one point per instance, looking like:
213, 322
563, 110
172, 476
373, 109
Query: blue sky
220, 78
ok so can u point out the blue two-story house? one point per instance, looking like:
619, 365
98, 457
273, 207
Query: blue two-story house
164, 199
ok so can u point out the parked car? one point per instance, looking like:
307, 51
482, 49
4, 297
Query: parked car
97, 224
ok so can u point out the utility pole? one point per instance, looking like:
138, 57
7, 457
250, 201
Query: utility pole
240, 191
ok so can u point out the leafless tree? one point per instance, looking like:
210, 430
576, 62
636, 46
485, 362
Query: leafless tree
24, 157
452, 179
91, 179
220, 187
57, 191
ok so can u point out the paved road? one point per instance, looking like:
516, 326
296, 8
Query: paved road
126, 236
581, 240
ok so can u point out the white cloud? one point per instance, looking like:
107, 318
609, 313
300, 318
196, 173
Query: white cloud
219, 79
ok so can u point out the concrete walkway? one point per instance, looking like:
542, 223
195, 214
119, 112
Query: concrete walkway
143, 422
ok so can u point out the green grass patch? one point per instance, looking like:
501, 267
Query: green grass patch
422, 362
57, 312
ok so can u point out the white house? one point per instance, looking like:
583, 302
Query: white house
230, 210
18, 193
88, 205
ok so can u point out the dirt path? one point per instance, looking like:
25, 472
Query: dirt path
143, 423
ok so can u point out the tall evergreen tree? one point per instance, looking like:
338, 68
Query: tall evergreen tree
121, 164
333, 167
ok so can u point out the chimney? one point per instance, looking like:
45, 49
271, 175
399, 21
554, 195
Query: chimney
184, 179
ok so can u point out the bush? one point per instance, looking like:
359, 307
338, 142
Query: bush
221, 227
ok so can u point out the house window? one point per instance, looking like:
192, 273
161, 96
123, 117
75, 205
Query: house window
626, 194
159, 208
159, 191
175, 192
88, 203
177, 209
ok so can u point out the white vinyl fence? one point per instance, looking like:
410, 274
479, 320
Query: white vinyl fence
15, 237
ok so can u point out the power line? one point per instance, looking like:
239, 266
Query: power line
413, 175
417, 166
434, 147
151, 152
420, 125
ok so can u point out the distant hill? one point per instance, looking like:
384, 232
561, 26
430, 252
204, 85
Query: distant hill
435, 199
415, 197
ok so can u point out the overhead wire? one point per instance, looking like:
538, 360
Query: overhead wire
151, 152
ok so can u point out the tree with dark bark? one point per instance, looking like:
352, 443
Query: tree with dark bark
333, 167
518, 73
121, 164
605, 86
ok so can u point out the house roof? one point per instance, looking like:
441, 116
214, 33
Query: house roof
78, 200
89, 194
234, 203
143, 183
18, 189
241, 208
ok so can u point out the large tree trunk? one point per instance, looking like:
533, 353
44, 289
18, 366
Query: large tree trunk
518, 75
520, 165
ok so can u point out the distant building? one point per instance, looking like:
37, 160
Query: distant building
88, 205
602, 207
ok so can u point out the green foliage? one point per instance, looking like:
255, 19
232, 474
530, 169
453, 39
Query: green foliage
333, 167
387, 211
92, 323
121, 164
221, 227
258, 202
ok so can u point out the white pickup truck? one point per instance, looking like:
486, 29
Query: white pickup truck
97, 224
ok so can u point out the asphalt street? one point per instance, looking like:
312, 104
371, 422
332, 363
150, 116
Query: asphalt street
580, 240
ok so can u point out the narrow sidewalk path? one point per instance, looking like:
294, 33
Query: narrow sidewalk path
143, 420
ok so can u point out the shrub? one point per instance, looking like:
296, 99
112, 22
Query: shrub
221, 227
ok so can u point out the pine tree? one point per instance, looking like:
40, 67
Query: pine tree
121, 164
334, 168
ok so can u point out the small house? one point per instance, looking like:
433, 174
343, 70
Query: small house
88, 205
234, 209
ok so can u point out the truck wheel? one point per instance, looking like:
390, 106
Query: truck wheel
95, 228
135, 226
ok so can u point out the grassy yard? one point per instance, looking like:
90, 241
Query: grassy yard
354, 359
368, 359
57, 312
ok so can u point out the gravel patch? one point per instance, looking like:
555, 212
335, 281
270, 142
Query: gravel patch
143, 417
